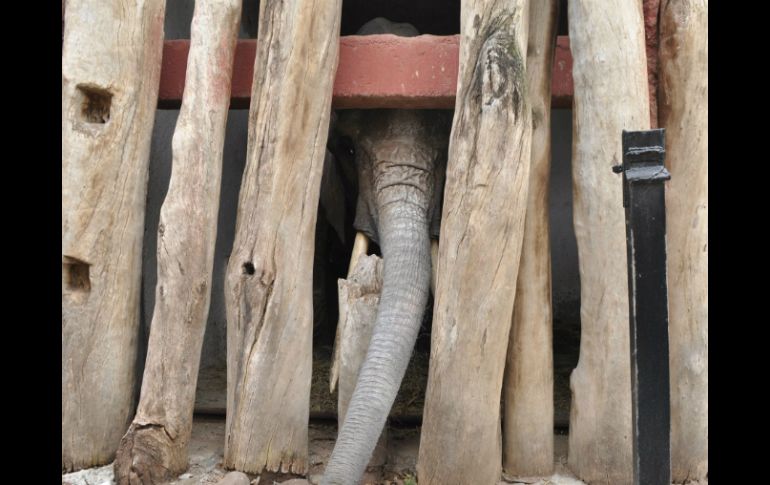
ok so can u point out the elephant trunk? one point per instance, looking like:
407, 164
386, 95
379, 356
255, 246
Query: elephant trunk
405, 244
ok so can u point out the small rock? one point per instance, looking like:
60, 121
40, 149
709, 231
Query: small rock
296, 481
185, 476
234, 478
90, 476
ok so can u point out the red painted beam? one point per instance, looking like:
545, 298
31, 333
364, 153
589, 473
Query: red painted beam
386, 71
561, 76
651, 9
376, 71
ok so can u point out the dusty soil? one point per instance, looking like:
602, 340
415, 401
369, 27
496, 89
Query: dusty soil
206, 453
206, 448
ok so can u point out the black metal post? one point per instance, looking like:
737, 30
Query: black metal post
643, 198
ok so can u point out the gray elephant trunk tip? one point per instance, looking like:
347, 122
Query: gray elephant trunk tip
406, 279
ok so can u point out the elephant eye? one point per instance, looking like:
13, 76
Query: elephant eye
346, 146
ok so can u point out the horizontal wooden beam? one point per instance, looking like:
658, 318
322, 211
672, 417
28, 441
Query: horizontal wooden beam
376, 71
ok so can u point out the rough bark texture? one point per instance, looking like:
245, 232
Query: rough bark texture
360, 247
528, 385
485, 202
155, 447
110, 73
611, 94
359, 297
684, 115
268, 288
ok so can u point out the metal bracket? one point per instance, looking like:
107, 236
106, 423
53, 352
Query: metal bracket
643, 156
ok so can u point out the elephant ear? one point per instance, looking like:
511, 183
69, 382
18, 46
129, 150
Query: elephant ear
348, 129
332, 196
346, 122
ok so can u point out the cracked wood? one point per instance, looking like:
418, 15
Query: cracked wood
683, 111
156, 445
528, 385
485, 202
111, 59
268, 286
611, 94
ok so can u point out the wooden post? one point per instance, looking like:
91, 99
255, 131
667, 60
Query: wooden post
155, 447
485, 202
611, 94
359, 297
683, 111
111, 60
360, 247
528, 384
268, 287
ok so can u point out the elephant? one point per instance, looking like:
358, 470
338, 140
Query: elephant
400, 158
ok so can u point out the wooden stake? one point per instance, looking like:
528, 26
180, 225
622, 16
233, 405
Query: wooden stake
268, 288
155, 447
360, 247
111, 59
528, 386
611, 94
359, 297
485, 202
683, 110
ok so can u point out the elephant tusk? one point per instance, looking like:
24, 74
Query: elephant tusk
360, 248
433, 265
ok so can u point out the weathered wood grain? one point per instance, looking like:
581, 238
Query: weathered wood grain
683, 110
111, 59
485, 201
528, 384
268, 287
359, 297
611, 94
360, 247
155, 448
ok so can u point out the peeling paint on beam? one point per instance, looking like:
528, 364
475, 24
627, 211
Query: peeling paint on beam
376, 71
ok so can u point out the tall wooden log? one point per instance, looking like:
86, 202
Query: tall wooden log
611, 94
528, 384
683, 110
485, 202
111, 61
268, 287
155, 447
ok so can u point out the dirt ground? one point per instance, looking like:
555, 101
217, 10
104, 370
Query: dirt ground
206, 453
206, 448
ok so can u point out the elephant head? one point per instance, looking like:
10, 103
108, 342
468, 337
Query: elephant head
400, 157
